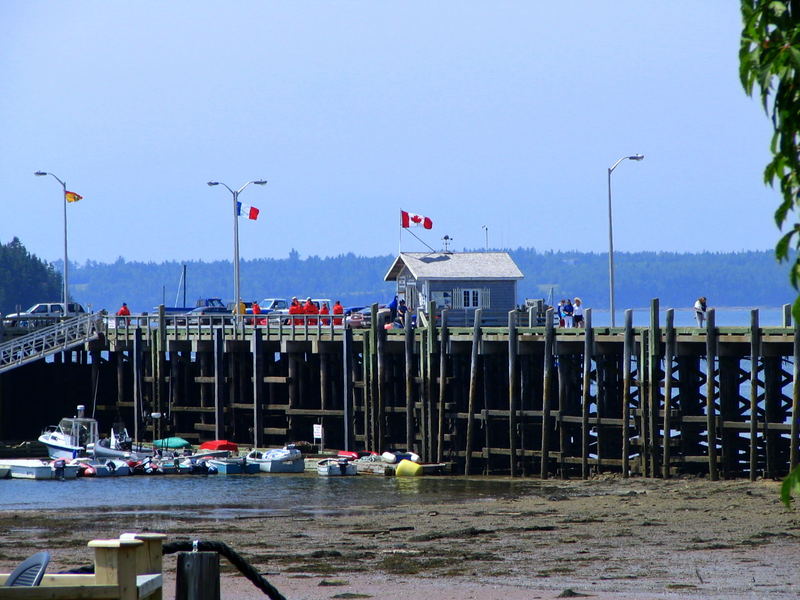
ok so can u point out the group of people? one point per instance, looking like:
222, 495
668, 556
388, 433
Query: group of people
399, 312
309, 307
570, 313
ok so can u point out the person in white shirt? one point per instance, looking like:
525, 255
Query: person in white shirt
577, 313
700, 309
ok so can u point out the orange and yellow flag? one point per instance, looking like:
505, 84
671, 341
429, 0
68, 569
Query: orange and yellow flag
73, 197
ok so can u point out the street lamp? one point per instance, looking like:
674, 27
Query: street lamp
235, 194
66, 263
611, 235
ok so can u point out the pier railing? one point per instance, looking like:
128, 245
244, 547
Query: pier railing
41, 343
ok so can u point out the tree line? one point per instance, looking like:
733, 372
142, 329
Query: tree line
752, 278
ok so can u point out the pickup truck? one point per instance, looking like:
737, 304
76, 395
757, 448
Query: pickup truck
42, 314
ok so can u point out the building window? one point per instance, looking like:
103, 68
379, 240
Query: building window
472, 298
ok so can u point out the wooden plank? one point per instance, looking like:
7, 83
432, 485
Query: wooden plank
627, 354
513, 391
669, 356
755, 353
586, 398
442, 380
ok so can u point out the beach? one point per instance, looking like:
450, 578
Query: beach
607, 537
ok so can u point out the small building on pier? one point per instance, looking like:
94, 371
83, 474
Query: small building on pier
458, 281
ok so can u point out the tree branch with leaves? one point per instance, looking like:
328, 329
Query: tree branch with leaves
769, 64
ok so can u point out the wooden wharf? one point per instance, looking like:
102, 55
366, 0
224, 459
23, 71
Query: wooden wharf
519, 399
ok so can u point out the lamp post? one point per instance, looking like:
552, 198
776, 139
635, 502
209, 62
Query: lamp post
65, 293
235, 194
636, 157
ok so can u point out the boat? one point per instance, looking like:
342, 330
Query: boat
32, 468
70, 438
5, 472
89, 467
171, 443
118, 445
278, 460
227, 466
336, 467
217, 445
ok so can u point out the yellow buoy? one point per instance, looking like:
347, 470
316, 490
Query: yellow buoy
406, 468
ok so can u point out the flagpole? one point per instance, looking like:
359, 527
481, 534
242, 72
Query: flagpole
65, 292
235, 194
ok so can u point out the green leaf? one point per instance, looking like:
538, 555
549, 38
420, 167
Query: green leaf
791, 485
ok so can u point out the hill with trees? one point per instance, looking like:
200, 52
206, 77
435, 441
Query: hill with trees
751, 278
25, 279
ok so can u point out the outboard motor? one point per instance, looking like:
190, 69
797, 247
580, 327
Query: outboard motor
59, 467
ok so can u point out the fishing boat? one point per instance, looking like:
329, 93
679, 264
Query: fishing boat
70, 438
336, 467
278, 460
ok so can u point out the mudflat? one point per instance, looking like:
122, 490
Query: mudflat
606, 537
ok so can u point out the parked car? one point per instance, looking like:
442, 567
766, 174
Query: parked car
42, 314
215, 314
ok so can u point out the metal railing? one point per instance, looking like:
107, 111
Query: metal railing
43, 342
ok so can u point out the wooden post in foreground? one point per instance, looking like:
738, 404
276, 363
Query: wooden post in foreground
197, 576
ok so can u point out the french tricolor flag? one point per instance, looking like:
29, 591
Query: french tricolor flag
245, 210
408, 219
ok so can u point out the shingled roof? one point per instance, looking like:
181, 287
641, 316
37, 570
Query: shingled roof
455, 265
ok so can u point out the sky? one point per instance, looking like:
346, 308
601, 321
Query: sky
497, 120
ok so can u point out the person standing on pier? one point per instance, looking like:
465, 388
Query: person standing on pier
567, 311
577, 313
256, 311
700, 309
325, 311
311, 309
402, 312
338, 309
123, 311
296, 309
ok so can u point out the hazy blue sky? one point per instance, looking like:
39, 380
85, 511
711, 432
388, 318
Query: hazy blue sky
504, 114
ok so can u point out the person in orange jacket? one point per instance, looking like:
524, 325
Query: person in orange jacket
325, 311
256, 311
296, 309
123, 311
311, 309
338, 309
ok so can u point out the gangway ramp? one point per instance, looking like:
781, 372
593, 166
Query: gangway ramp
47, 341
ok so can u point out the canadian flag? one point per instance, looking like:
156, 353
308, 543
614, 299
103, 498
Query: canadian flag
411, 220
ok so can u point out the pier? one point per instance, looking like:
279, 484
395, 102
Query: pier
521, 399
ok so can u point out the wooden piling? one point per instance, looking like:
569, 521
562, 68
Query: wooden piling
257, 351
473, 389
627, 354
669, 356
549, 343
347, 387
409, 373
219, 385
755, 351
586, 396
513, 391
443, 337
711, 415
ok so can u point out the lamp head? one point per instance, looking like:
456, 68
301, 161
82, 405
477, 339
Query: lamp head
261, 182
213, 183
636, 157
40, 173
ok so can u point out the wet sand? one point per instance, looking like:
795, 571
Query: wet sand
606, 537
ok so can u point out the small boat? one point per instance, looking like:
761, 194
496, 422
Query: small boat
219, 445
31, 468
233, 466
88, 467
336, 467
278, 460
118, 467
171, 443
70, 438
119, 445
